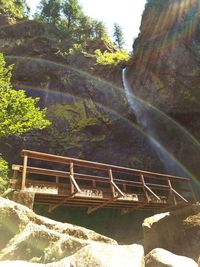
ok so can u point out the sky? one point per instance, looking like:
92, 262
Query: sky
127, 13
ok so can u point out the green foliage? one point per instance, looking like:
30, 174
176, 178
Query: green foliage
75, 49
3, 174
99, 29
113, 59
18, 113
72, 12
118, 35
15, 8
49, 11
69, 17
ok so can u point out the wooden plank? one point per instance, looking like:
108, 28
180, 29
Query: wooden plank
111, 184
90, 210
124, 183
181, 197
95, 165
24, 172
74, 185
144, 189
53, 207
171, 192
157, 197
130, 186
121, 194
71, 176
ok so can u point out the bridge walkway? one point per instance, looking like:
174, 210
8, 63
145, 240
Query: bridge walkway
95, 185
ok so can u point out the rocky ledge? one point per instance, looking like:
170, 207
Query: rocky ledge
28, 239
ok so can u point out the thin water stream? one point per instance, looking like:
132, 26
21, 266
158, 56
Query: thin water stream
151, 123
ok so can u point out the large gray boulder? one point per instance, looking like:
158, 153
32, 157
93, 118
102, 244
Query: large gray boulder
162, 258
177, 231
28, 239
94, 255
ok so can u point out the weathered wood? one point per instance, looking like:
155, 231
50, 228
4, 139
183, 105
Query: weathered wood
104, 204
120, 193
111, 182
147, 188
144, 189
71, 176
24, 172
95, 165
57, 179
53, 207
138, 186
171, 191
181, 197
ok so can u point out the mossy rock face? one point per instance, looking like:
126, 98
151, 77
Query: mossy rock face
86, 102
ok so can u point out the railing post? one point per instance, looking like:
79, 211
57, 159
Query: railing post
171, 191
71, 170
57, 179
192, 191
94, 184
144, 189
111, 180
24, 172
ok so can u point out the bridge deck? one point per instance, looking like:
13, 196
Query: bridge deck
96, 185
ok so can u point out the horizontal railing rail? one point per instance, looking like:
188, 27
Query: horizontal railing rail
94, 165
118, 180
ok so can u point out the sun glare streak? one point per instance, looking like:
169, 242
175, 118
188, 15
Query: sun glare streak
162, 115
139, 129
170, 30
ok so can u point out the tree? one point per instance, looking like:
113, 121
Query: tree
118, 35
72, 11
15, 8
99, 29
18, 113
49, 11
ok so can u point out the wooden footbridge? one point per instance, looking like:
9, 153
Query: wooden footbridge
96, 185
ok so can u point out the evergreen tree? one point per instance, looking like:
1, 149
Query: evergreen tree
99, 29
49, 11
72, 12
118, 36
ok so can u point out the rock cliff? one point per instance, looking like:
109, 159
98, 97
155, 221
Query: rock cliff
164, 72
86, 102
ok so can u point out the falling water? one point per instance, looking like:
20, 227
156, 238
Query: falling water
146, 118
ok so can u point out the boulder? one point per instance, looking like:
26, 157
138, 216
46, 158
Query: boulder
98, 255
177, 231
19, 264
109, 256
26, 236
162, 258
33, 240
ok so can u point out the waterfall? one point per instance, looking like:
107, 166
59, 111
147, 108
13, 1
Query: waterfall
150, 121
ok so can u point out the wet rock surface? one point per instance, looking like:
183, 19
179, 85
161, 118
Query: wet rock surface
28, 239
162, 258
176, 231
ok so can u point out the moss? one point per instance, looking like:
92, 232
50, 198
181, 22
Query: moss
77, 122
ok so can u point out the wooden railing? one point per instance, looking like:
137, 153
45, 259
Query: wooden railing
115, 185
